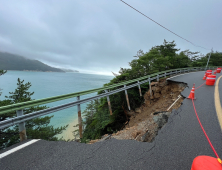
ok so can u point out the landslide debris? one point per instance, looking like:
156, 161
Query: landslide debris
145, 121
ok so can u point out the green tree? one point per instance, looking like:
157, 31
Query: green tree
1, 73
168, 50
182, 60
37, 128
215, 59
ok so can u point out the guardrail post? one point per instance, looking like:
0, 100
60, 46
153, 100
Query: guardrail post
150, 87
165, 74
139, 88
79, 118
109, 104
157, 77
127, 99
176, 71
22, 130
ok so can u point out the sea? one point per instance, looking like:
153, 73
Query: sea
49, 84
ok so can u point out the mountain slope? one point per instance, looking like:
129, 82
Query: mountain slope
14, 62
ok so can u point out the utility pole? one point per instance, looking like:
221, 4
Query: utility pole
209, 57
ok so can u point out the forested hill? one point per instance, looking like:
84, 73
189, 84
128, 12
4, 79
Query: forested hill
15, 62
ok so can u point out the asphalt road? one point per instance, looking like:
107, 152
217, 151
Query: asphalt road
175, 147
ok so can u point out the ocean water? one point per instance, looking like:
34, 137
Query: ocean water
48, 84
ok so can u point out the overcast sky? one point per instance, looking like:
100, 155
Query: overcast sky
100, 36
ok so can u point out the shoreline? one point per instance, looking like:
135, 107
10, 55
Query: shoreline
39, 71
67, 134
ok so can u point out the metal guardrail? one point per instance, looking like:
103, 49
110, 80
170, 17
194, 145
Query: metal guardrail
23, 105
20, 119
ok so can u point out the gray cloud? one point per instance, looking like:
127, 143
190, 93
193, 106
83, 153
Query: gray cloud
102, 36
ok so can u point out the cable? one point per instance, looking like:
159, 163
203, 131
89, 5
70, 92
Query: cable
200, 85
204, 131
162, 26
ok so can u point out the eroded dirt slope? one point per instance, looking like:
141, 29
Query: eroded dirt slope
144, 122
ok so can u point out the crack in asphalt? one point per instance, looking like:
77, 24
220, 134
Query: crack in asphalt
94, 151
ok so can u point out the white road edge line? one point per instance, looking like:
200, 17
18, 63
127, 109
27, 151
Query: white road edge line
18, 148
179, 75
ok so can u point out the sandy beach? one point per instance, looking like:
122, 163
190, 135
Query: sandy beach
67, 134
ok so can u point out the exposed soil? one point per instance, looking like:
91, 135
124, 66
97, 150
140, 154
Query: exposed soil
145, 121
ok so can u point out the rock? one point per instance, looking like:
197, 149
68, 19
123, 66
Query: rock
165, 105
130, 113
93, 141
165, 90
146, 96
157, 95
138, 110
105, 138
136, 133
145, 137
163, 121
156, 89
153, 83
162, 84
149, 135
147, 102
160, 119
167, 114
153, 88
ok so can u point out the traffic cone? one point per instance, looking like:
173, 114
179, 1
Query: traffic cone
204, 78
191, 96
215, 72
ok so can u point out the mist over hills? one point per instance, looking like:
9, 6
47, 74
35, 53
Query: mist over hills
69, 70
15, 62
